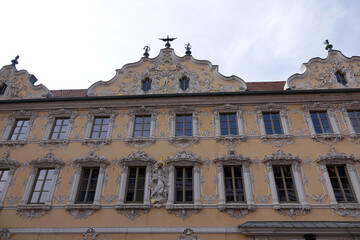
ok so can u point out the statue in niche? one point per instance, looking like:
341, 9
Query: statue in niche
159, 184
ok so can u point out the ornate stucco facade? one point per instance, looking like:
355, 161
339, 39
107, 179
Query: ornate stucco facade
209, 156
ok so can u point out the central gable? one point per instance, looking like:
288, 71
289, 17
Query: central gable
164, 74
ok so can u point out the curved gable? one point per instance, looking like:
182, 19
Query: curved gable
321, 73
164, 72
16, 84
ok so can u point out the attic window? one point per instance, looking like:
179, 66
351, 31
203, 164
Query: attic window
2, 88
146, 85
340, 78
184, 83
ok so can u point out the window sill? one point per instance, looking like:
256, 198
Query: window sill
96, 141
277, 139
13, 143
33, 210
237, 210
184, 141
351, 210
82, 210
327, 136
292, 209
54, 142
132, 210
183, 210
139, 141
230, 138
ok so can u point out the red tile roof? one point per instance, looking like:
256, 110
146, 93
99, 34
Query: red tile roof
251, 86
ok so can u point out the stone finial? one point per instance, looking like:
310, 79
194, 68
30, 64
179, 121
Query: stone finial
167, 40
147, 50
15, 61
188, 47
328, 45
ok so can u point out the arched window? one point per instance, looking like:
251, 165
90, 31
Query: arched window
184, 83
146, 85
2, 88
340, 78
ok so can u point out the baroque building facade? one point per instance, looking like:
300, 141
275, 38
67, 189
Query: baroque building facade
171, 149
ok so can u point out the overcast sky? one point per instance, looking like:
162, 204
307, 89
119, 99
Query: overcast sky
72, 44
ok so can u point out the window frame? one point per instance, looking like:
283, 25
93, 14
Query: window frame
281, 158
10, 125
7, 164
87, 190
283, 178
229, 109
82, 210
36, 180
234, 159
51, 122
30, 210
142, 126
185, 78
136, 184
103, 113
330, 111
345, 160
183, 185
141, 111
344, 108
147, 90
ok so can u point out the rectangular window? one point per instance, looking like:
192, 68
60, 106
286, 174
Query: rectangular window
228, 124
4, 173
184, 185
41, 187
284, 184
136, 184
60, 128
87, 185
355, 120
20, 129
183, 125
272, 123
100, 127
341, 185
234, 187
321, 122
142, 126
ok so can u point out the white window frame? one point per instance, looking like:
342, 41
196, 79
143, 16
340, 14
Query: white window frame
79, 210
141, 111
340, 159
226, 109
330, 111
11, 165
53, 115
273, 108
100, 112
134, 159
344, 108
232, 159
13, 117
184, 159
26, 209
184, 110
280, 158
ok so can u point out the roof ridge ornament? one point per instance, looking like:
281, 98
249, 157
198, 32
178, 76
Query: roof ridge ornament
328, 45
167, 40
147, 50
188, 47
15, 61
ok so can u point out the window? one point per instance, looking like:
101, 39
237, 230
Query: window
142, 126
184, 83
355, 120
284, 184
60, 128
183, 125
87, 186
4, 173
20, 129
100, 127
272, 123
41, 186
340, 78
320, 122
234, 187
184, 185
3, 88
136, 184
146, 85
340, 183
228, 124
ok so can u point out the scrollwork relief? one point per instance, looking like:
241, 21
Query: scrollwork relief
188, 234
292, 211
183, 213
208, 198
